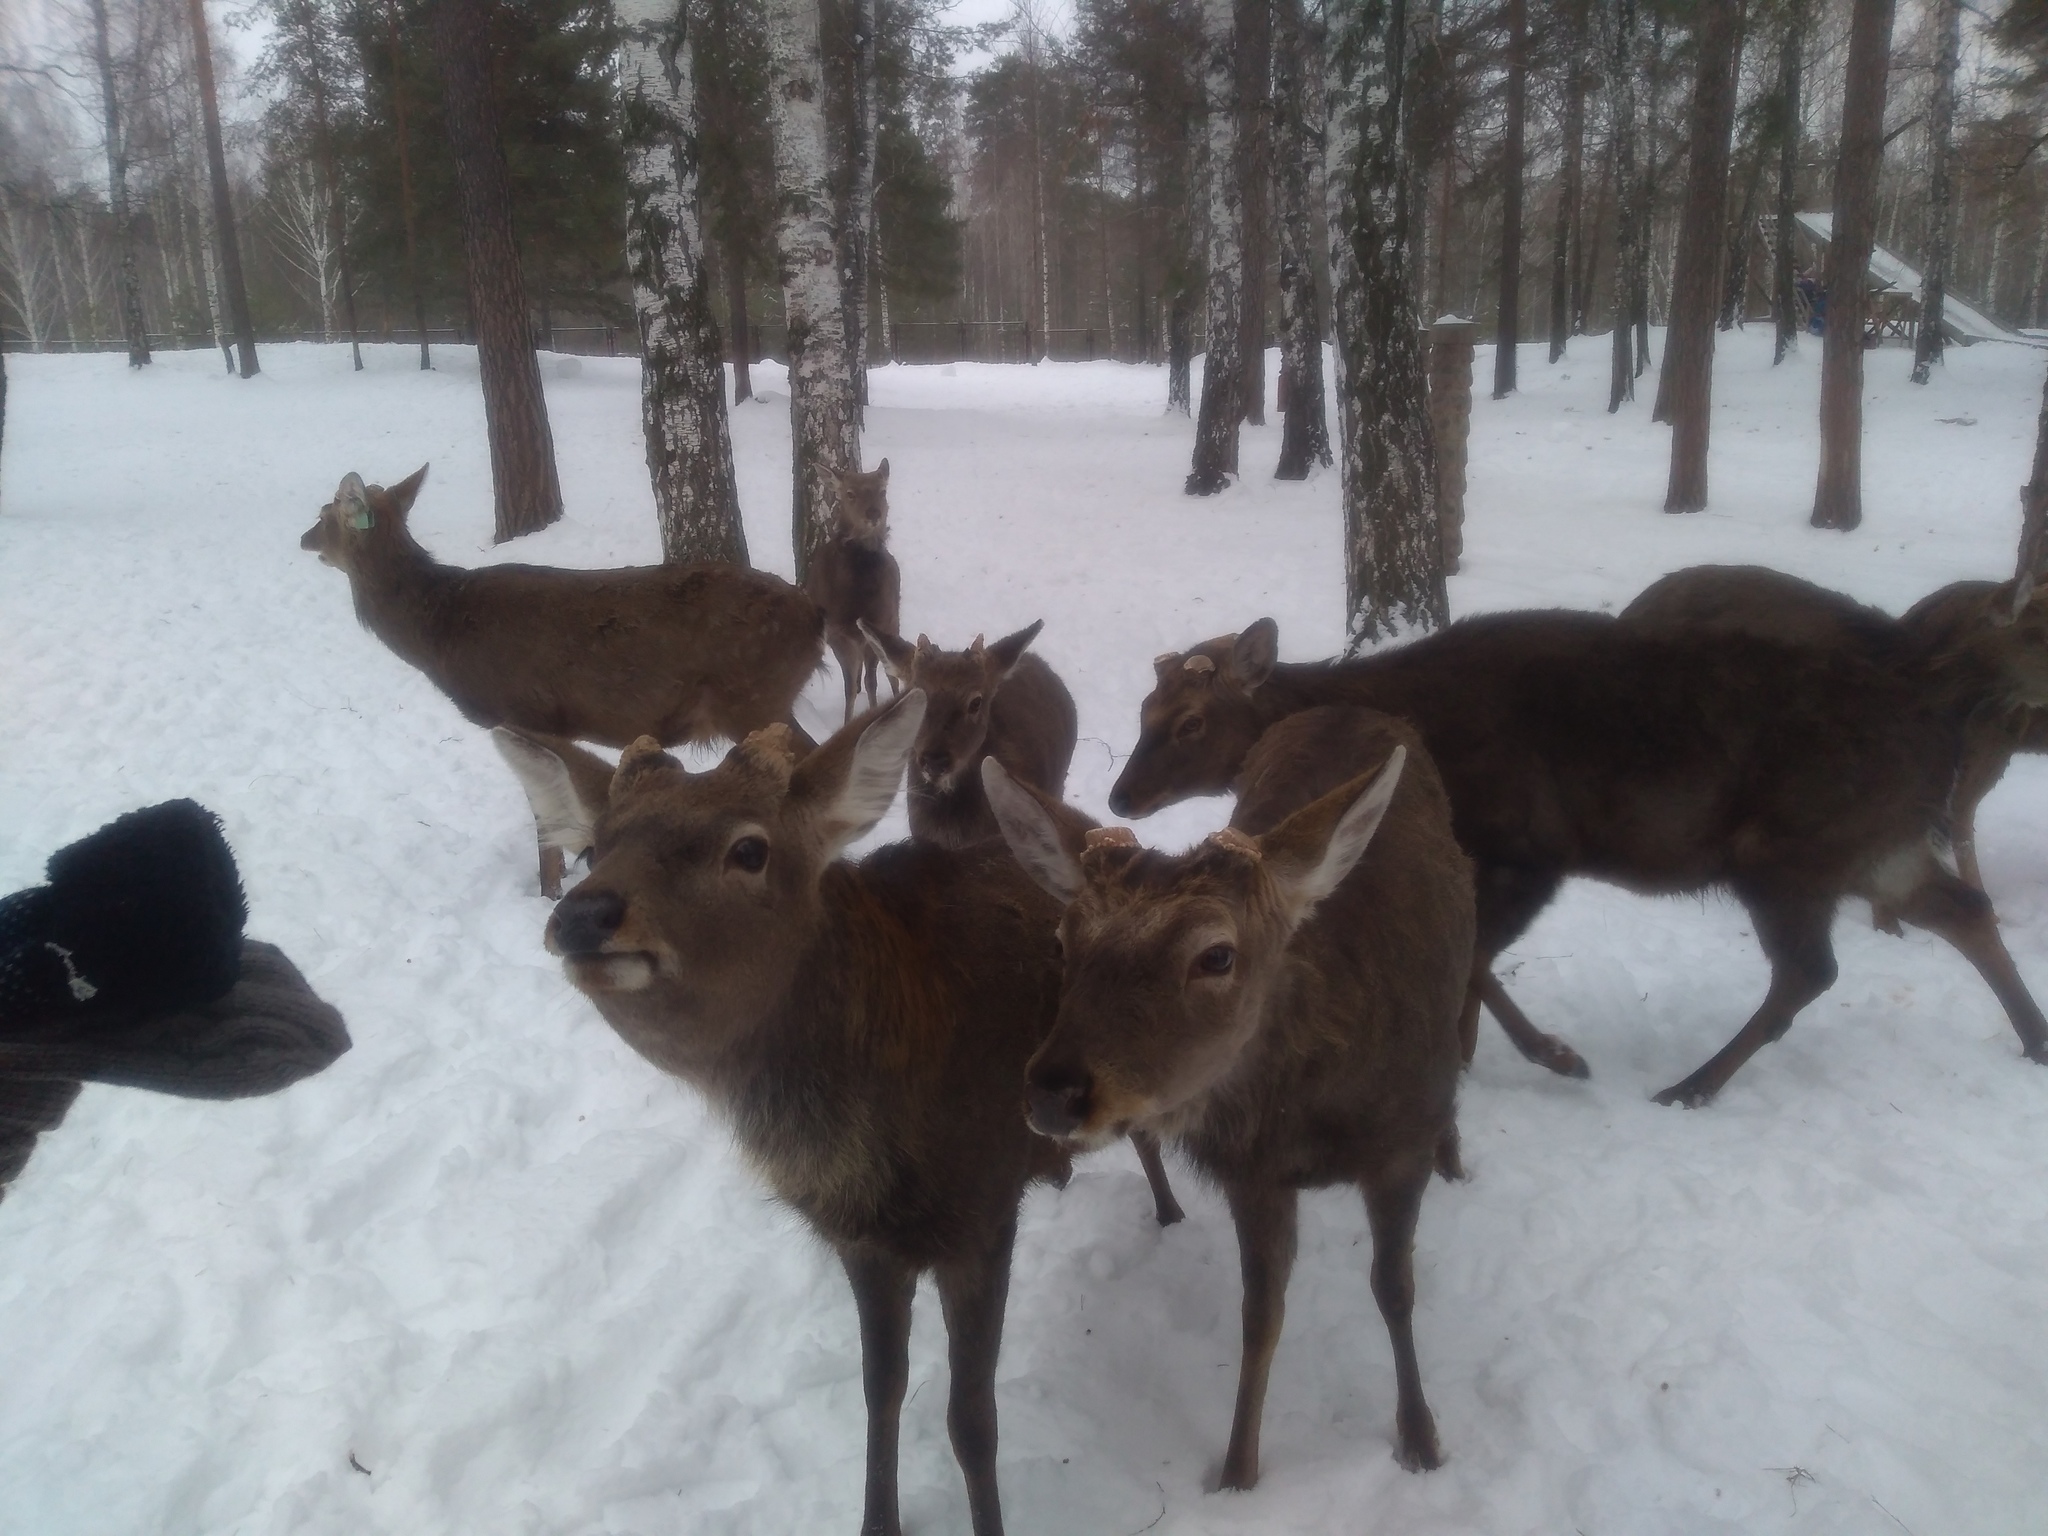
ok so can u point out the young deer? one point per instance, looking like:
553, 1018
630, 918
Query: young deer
853, 578
682, 653
1281, 1000
991, 702
864, 1027
1570, 744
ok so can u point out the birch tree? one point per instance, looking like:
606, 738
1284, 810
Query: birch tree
1393, 547
1297, 93
860, 213
1215, 458
1941, 120
682, 377
824, 430
1838, 495
303, 235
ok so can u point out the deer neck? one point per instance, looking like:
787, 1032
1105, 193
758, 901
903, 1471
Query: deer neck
398, 590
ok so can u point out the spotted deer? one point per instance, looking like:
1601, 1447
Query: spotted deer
854, 580
1281, 1001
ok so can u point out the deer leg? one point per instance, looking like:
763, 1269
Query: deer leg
1510, 897
1468, 1020
1533, 1043
1391, 1207
849, 674
1450, 1165
1945, 906
871, 669
1795, 938
1163, 1204
1984, 764
551, 868
973, 1295
883, 1288
1265, 1218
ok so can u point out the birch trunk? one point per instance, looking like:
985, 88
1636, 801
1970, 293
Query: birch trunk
1297, 95
682, 369
1941, 119
1508, 312
1621, 89
1255, 170
741, 327
229, 252
1838, 495
1569, 189
1393, 544
1215, 458
860, 214
133, 326
1179, 346
1785, 296
824, 432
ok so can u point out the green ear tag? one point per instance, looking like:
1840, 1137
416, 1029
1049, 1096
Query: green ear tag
363, 519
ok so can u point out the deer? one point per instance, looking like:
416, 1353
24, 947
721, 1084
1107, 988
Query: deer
996, 703
1282, 1001
682, 653
854, 580
1790, 776
863, 1026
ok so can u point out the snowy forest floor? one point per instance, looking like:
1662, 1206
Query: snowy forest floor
523, 1280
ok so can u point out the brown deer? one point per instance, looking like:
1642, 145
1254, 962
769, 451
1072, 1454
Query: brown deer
1791, 776
682, 653
991, 702
1282, 1000
853, 578
864, 1028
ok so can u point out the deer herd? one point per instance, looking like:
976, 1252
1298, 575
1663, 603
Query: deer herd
904, 1042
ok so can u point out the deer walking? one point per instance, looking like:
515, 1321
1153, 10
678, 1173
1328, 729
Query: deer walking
854, 580
1281, 1000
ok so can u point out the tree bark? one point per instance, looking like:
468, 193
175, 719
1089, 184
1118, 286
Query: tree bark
1685, 386
682, 369
1570, 182
1255, 127
528, 492
1785, 296
824, 430
1623, 25
337, 212
1393, 545
412, 258
742, 327
223, 205
1735, 273
1215, 458
1179, 347
1941, 119
1297, 95
1838, 496
1507, 328
860, 213
129, 303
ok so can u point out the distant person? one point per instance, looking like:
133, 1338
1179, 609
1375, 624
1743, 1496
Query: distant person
1816, 298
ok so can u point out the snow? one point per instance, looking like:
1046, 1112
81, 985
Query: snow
521, 1278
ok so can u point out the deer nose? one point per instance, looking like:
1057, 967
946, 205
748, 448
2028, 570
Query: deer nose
1056, 1100
935, 764
1119, 800
585, 920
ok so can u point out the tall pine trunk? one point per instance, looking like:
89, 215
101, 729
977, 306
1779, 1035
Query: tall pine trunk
823, 427
1393, 544
1215, 459
1685, 387
412, 257
736, 318
682, 369
1735, 275
1570, 184
1180, 345
1297, 96
1507, 329
860, 213
528, 492
1255, 127
1941, 120
1784, 294
1838, 495
229, 251
129, 301
1623, 26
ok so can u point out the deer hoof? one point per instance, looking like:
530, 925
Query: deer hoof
1686, 1096
1565, 1061
1450, 1166
1418, 1450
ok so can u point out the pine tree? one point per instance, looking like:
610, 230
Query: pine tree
1573, 14
230, 251
133, 326
1297, 95
1623, 27
1784, 296
1941, 119
1508, 326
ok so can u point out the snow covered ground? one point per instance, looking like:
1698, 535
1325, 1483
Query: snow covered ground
520, 1277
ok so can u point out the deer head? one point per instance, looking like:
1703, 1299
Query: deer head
961, 689
1199, 721
361, 517
864, 505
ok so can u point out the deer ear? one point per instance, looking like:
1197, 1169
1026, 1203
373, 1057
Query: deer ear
849, 783
1253, 654
640, 762
1009, 650
567, 787
407, 490
882, 469
897, 654
1045, 836
1311, 852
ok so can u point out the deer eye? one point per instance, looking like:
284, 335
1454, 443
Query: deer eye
1216, 960
974, 706
1189, 728
749, 854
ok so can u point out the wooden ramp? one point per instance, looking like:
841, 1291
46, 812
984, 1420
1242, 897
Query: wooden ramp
1962, 322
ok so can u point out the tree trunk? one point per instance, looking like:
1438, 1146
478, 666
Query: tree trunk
1685, 387
824, 430
528, 491
1255, 125
1941, 119
1785, 296
1838, 497
129, 303
742, 327
1735, 275
1298, 99
1393, 545
412, 258
223, 205
1646, 190
1628, 234
1569, 183
1179, 347
1507, 328
1215, 459
682, 371
336, 210
860, 211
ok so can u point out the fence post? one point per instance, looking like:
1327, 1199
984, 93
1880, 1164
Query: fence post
1449, 344
1091, 343
960, 352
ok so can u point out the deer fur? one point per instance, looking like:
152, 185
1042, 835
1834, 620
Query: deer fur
1282, 1001
1791, 776
863, 1026
854, 580
682, 653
